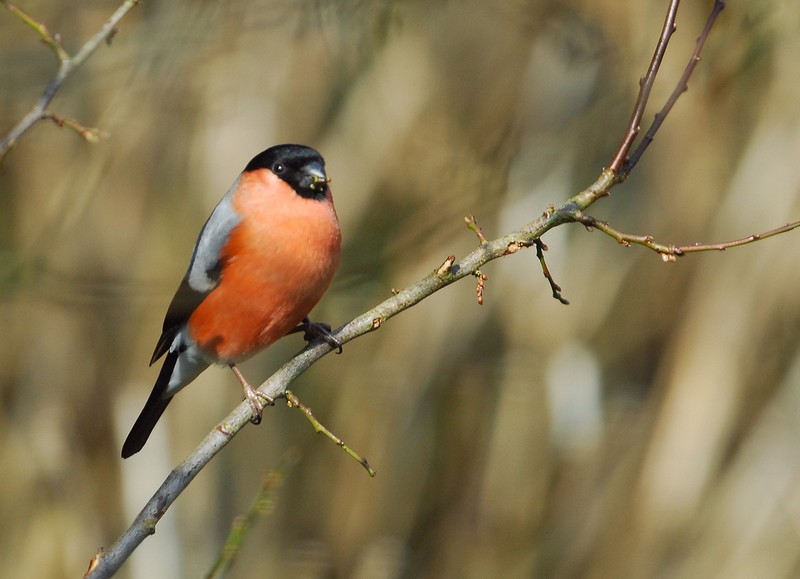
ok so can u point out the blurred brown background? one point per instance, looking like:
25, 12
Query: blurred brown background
649, 429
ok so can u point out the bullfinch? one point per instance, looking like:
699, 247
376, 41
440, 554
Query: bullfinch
262, 261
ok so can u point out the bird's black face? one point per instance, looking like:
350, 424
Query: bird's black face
301, 167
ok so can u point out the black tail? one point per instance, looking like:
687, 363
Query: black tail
152, 411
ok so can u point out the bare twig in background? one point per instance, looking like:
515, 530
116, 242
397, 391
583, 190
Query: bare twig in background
67, 65
262, 505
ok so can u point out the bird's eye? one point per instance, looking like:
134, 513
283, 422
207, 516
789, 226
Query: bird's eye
278, 168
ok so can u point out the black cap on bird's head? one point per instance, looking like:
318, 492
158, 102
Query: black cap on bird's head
301, 167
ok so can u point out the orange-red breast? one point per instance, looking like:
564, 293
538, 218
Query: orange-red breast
262, 261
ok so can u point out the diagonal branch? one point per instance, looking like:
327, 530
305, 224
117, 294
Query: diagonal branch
67, 66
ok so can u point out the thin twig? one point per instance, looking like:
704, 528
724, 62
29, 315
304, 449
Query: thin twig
645, 86
680, 88
67, 66
473, 225
669, 252
44, 33
262, 505
556, 289
294, 402
91, 134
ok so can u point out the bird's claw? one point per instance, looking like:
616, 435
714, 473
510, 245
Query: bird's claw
318, 331
254, 398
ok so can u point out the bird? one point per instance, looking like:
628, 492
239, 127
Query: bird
262, 261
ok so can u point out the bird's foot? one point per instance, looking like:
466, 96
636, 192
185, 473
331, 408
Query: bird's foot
257, 399
318, 331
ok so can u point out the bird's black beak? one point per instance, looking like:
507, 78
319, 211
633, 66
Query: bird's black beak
314, 177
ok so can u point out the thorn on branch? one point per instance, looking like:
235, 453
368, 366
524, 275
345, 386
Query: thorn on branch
473, 225
514, 247
540, 249
94, 561
446, 265
224, 430
293, 402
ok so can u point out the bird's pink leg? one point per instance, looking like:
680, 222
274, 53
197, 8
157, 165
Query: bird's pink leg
253, 396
